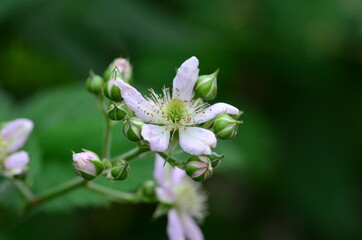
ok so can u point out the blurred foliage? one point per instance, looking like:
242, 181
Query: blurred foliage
294, 68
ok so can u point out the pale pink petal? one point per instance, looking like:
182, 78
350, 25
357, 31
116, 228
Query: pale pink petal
143, 108
213, 111
165, 194
183, 83
197, 141
157, 136
177, 175
191, 229
15, 163
16, 133
159, 171
175, 229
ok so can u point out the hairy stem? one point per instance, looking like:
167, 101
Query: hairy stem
59, 190
23, 190
132, 154
112, 194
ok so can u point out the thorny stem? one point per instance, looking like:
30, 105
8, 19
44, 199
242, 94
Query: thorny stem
173, 161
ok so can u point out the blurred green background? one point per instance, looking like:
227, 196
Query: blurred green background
294, 68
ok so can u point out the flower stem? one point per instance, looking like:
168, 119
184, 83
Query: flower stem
173, 161
107, 139
23, 190
59, 190
112, 194
132, 154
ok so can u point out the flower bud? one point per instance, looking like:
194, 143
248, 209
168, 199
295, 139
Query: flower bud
225, 127
15, 133
119, 171
148, 190
111, 91
117, 111
123, 67
199, 168
87, 165
94, 83
206, 86
132, 129
15, 164
215, 159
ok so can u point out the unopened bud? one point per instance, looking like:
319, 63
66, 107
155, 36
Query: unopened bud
16, 164
199, 168
117, 111
148, 190
119, 171
87, 165
225, 127
94, 83
14, 134
132, 129
206, 86
123, 67
215, 159
111, 91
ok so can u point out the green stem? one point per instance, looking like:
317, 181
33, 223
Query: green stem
112, 194
106, 149
173, 161
132, 154
23, 190
59, 190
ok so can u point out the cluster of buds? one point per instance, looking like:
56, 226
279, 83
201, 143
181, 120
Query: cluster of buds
13, 136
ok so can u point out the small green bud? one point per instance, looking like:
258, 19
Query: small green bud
119, 171
87, 165
94, 83
132, 129
111, 91
206, 86
215, 159
199, 168
117, 111
148, 190
225, 127
123, 67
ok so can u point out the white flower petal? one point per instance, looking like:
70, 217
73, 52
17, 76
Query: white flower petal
165, 194
191, 229
175, 229
15, 163
16, 133
213, 111
157, 136
177, 175
197, 141
136, 102
159, 170
183, 83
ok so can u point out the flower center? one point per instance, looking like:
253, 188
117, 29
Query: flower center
176, 110
189, 198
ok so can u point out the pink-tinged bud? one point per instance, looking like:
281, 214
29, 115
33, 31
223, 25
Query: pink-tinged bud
199, 168
16, 163
87, 165
122, 66
16, 132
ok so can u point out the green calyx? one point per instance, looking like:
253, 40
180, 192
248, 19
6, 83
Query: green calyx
176, 110
117, 111
132, 129
199, 168
94, 83
120, 170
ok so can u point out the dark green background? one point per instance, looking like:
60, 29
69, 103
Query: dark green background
293, 67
